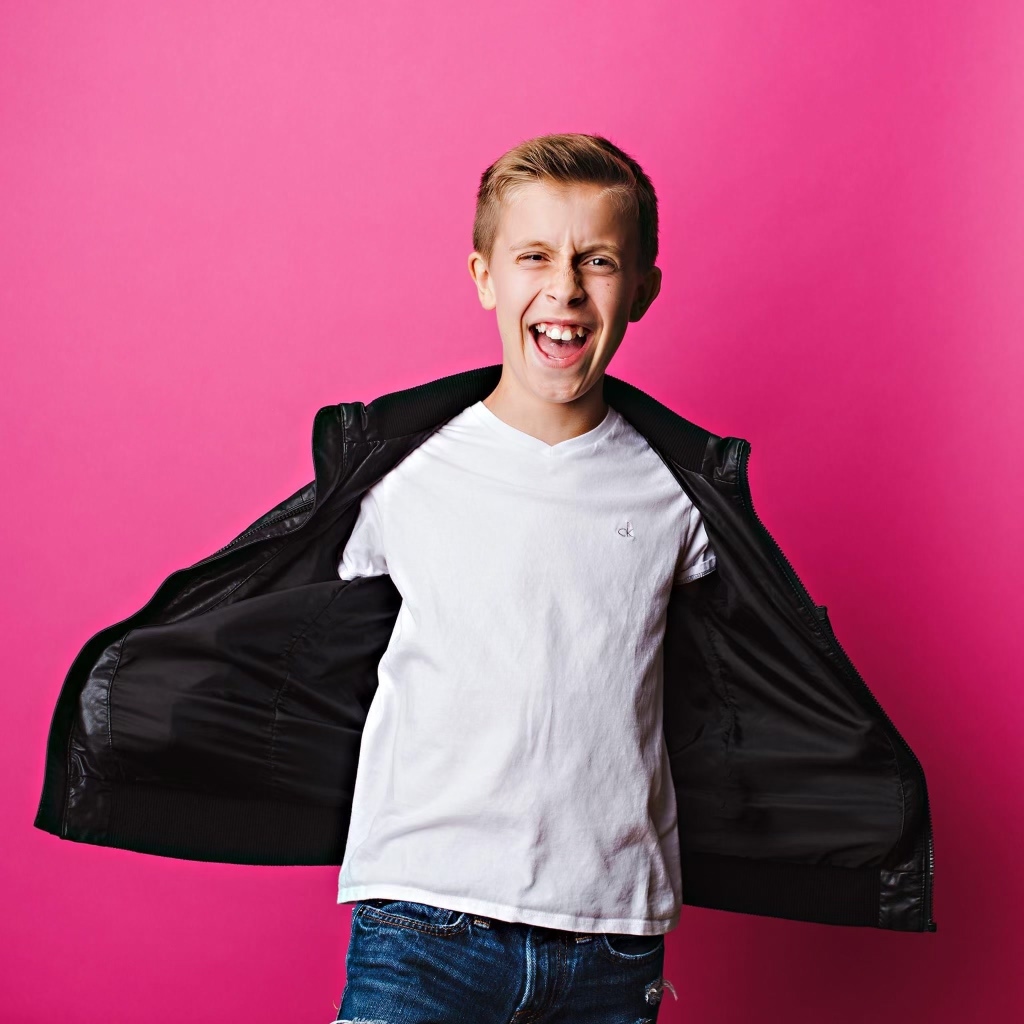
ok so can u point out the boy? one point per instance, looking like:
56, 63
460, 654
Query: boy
513, 844
522, 659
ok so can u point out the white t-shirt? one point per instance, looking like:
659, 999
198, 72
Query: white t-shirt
513, 762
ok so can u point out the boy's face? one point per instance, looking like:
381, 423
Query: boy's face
562, 254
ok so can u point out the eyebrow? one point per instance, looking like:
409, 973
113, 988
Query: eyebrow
610, 246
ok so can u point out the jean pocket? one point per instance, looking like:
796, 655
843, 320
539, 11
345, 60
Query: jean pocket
623, 947
420, 917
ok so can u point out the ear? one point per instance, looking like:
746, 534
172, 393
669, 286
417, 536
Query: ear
646, 292
482, 278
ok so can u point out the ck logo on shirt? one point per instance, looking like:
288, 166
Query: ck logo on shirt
626, 531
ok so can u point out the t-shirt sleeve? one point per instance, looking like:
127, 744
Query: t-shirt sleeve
364, 553
696, 556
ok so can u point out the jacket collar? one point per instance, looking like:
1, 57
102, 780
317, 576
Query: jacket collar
425, 407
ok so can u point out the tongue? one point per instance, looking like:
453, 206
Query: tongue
559, 348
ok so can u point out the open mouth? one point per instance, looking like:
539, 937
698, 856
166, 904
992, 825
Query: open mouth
560, 346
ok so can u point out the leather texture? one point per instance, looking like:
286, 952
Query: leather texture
222, 721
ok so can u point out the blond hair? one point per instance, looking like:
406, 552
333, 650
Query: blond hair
568, 159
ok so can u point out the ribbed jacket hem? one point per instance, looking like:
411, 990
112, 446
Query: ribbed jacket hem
200, 826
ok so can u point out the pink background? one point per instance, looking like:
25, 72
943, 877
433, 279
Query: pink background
217, 217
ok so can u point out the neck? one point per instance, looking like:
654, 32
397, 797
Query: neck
549, 420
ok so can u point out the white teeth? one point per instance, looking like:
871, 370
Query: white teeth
557, 333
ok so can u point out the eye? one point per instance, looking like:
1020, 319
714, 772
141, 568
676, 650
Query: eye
604, 264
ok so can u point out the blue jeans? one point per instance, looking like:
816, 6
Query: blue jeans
412, 963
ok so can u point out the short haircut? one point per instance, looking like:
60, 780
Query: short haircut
568, 159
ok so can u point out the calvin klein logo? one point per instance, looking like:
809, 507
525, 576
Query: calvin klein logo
626, 531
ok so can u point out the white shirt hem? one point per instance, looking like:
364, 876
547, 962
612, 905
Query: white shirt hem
698, 570
501, 912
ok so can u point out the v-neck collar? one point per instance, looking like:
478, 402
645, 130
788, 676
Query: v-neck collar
528, 442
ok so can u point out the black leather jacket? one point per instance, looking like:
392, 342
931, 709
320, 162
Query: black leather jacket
222, 721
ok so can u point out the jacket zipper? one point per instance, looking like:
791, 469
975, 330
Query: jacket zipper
804, 596
240, 539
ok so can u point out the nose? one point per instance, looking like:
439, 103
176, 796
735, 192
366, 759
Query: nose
564, 286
